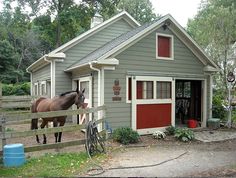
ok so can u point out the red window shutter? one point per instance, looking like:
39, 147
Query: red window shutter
130, 89
139, 90
164, 46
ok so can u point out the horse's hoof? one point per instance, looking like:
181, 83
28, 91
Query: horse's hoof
44, 142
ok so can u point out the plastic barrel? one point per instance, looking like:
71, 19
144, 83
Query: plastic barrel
192, 123
13, 155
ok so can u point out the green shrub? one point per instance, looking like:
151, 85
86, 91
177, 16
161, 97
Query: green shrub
170, 130
16, 89
125, 135
218, 110
184, 134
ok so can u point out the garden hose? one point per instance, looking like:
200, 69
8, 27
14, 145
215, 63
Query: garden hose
94, 144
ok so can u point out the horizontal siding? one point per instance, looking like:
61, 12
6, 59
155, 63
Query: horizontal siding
141, 56
42, 74
76, 53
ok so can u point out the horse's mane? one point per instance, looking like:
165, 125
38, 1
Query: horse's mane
65, 93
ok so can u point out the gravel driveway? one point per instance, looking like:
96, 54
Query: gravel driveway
169, 159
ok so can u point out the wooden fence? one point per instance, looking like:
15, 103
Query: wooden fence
13, 102
9, 118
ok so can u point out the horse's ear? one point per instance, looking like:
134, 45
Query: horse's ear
77, 90
83, 90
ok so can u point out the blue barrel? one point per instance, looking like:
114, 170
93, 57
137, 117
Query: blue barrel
13, 155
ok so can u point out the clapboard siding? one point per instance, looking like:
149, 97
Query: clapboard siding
42, 74
141, 56
76, 53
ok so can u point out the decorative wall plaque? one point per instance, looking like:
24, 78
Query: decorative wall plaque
116, 90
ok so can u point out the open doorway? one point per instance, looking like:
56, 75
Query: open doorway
188, 95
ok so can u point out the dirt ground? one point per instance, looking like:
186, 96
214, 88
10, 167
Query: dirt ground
200, 159
193, 159
31, 140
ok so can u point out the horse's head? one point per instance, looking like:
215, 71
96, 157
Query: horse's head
79, 100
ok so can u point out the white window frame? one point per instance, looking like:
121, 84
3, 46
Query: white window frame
36, 85
171, 50
127, 89
41, 88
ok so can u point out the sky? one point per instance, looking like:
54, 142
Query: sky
181, 10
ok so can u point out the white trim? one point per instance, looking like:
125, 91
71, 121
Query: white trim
127, 88
172, 46
133, 104
210, 95
173, 102
204, 103
41, 89
90, 102
135, 101
31, 83
53, 77
36, 93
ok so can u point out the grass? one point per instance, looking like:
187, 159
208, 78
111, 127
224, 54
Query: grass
49, 165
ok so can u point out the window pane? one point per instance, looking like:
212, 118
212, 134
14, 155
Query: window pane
164, 46
144, 90
163, 90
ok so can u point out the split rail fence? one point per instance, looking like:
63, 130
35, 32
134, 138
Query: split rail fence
25, 116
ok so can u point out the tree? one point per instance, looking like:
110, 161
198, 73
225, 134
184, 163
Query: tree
8, 62
141, 10
214, 29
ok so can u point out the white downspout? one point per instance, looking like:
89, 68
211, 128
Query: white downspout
52, 62
99, 91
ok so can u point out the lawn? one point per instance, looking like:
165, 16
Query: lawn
49, 165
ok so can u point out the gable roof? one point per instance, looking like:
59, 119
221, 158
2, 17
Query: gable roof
126, 16
126, 39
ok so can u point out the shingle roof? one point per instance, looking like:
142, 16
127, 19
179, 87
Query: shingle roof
93, 56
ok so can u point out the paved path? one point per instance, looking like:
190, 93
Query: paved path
214, 135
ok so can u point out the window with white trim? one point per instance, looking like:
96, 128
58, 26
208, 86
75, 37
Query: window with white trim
43, 88
36, 89
164, 46
149, 89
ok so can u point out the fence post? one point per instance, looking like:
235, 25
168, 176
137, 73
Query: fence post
2, 130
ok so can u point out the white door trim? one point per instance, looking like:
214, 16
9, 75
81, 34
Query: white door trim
74, 83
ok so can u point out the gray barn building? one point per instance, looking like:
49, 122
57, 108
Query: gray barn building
149, 77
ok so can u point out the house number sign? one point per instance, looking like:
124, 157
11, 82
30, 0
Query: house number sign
116, 90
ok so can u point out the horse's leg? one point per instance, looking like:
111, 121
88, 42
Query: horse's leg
34, 125
62, 123
55, 124
44, 136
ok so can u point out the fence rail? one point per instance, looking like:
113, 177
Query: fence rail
8, 118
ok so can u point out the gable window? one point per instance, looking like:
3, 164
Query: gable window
164, 46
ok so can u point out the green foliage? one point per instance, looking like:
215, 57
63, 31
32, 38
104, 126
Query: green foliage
141, 10
218, 110
184, 134
49, 165
125, 135
170, 130
16, 89
214, 29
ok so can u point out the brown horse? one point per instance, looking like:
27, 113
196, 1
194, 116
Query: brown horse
61, 102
